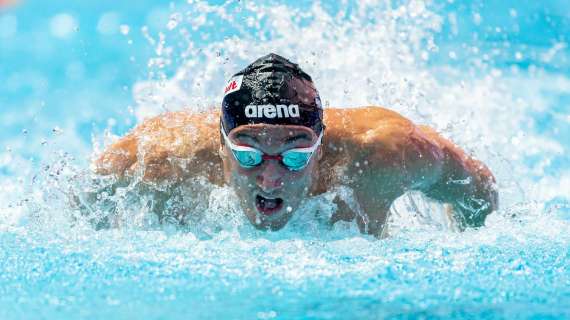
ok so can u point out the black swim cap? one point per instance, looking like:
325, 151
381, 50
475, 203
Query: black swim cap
271, 90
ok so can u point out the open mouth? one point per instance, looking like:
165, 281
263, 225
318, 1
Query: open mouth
268, 206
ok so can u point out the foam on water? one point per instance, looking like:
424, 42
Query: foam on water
53, 261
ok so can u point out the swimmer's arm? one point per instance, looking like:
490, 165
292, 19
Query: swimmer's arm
152, 160
388, 158
170, 147
465, 183
389, 155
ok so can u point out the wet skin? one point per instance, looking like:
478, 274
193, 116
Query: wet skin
376, 152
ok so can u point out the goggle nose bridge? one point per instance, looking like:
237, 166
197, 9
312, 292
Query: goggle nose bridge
270, 157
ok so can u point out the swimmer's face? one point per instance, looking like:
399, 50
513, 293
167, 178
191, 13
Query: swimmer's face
270, 193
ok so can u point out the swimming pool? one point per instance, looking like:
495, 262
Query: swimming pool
494, 76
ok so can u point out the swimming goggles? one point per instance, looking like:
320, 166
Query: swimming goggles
293, 159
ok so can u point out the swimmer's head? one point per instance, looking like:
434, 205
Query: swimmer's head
271, 128
271, 90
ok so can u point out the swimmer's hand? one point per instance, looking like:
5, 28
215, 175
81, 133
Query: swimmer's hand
170, 147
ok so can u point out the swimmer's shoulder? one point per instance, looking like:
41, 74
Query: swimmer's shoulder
181, 133
365, 116
366, 125
172, 120
159, 141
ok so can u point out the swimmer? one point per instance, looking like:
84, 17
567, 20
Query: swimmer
275, 145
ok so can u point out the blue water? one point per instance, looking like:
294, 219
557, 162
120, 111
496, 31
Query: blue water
492, 75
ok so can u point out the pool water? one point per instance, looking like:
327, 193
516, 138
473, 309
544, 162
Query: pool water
494, 76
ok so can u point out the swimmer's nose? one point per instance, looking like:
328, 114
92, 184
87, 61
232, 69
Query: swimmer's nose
270, 177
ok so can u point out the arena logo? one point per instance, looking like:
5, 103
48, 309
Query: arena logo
272, 111
233, 85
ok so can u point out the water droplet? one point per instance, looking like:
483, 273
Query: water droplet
477, 19
174, 21
289, 209
57, 131
124, 29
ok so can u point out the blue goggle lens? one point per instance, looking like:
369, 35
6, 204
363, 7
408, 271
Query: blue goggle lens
296, 160
248, 159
